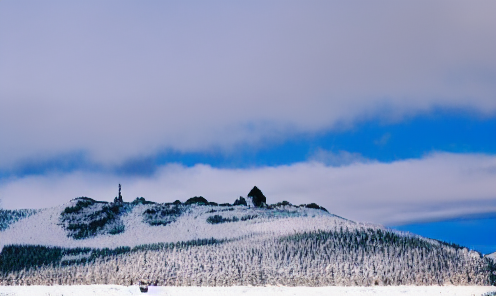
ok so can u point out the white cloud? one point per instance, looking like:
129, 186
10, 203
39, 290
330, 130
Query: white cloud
435, 187
339, 158
127, 79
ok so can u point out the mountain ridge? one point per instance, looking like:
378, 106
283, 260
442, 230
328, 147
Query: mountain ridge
203, 243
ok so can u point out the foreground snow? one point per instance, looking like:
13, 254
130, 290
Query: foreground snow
245, 291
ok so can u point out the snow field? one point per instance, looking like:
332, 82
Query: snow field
111, 290
43, 228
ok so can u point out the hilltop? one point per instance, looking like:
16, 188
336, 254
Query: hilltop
202, 243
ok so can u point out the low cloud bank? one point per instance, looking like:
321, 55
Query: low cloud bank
436, 187
140, 79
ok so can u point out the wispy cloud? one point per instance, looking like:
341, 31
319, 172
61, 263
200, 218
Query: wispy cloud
436, 187
383, 140
339, 158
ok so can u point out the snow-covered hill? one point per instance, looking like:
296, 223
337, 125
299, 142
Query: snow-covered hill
201, 243
46, 226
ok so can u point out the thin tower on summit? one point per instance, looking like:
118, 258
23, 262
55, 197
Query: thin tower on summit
119, 198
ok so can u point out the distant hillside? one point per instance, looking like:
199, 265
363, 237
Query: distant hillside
203, 243
492, 256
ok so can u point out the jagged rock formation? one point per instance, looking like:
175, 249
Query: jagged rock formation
257, 197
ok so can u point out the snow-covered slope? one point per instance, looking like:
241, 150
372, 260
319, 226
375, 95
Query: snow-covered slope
90, 242
8, 217
45, 227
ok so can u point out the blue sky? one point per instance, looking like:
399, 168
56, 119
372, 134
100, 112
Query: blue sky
477, 233
364, 109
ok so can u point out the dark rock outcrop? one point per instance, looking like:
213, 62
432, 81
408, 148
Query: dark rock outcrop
258, 198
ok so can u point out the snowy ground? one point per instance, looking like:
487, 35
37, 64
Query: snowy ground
245, 291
